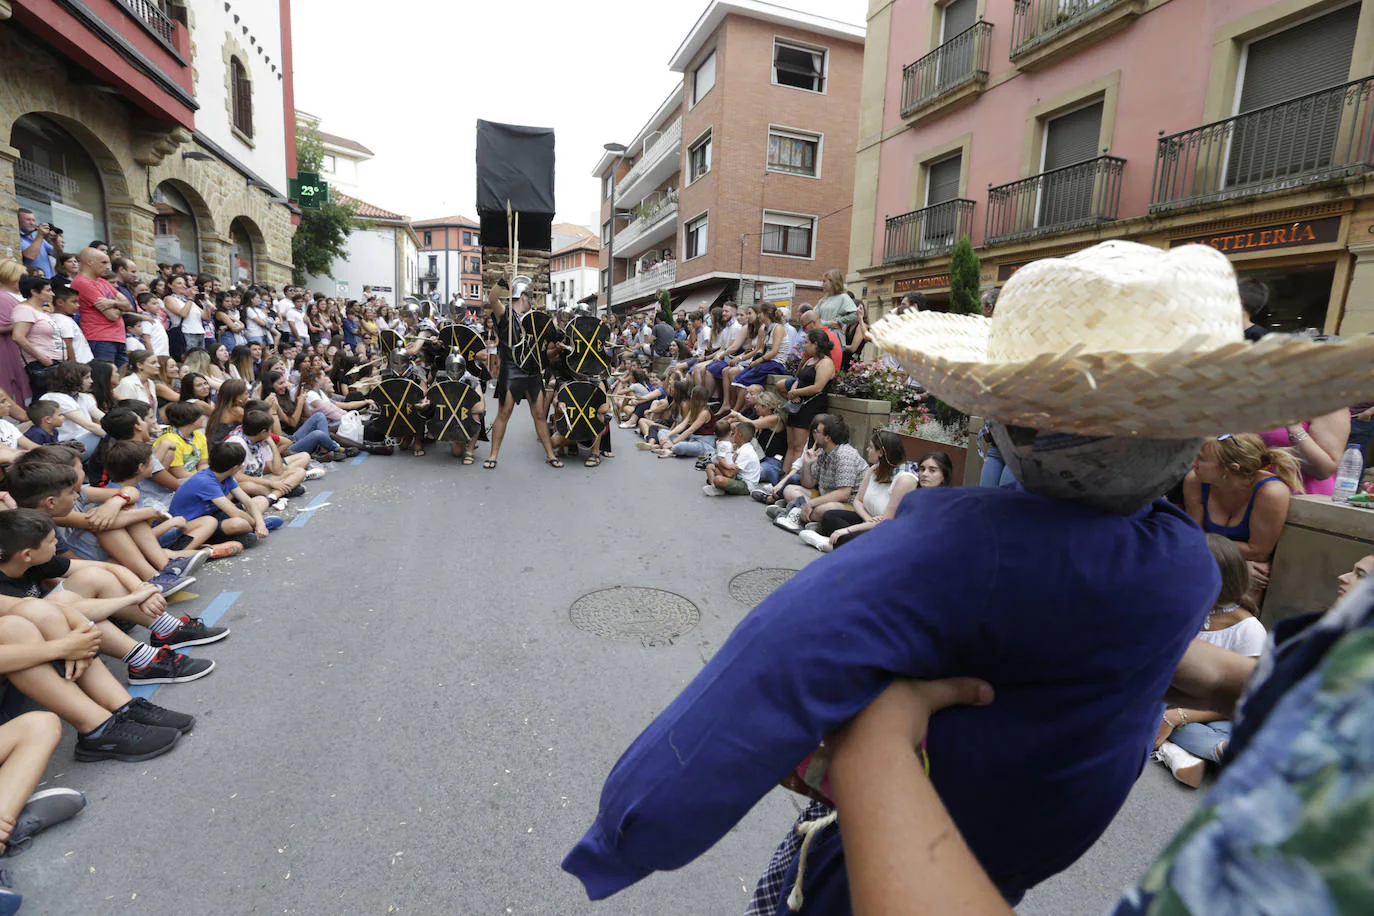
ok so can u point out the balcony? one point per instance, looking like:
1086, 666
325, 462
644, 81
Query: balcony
1322, 136
655, 220
1071, 197
1046, 30
929, 232
648, 282
151, 15
658, 162
954, 72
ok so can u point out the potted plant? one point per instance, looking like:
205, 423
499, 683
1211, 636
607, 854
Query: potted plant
922, 432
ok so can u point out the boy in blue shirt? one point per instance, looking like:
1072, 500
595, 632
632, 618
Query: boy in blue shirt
215, 492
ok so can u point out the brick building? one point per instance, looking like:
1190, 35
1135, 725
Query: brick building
165, 128
1039, 127
450, 258
744, 175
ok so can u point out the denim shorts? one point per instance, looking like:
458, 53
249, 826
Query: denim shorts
84, 544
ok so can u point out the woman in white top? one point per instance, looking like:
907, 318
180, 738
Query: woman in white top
69, 386
886, 481
183, 317
1188, 738
140, 379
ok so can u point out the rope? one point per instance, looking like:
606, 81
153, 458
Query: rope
808, 832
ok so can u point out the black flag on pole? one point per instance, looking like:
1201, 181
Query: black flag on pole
515, 164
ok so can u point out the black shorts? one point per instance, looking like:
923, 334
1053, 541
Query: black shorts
521, 385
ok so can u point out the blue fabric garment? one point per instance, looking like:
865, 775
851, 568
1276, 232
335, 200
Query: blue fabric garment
1077, 618
196, 494
44, 260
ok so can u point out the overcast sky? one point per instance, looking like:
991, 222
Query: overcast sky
411, 84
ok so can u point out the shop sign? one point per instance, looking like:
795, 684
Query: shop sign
920, 284
1267, 238
777, 292
1005, 271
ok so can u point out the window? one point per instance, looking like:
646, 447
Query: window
433, 264
330, 164
695, 236
699, 156
606, 181
789, 236
942, 179
606, 232
1067, 196
606, 280
470, 239
429, 239
798, 66
957, 59
242, 96
795, 153
704, 78
474, 290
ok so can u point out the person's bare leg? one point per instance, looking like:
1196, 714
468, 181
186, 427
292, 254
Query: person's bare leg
498, 426
199, 531
539, 410
796, 443
26, 745
45, 686
120, 545
299, 460
147, 543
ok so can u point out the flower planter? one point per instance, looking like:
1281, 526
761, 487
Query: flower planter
863, 416
958, 455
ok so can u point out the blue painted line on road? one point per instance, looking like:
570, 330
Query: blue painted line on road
211, 615
305, 514
362, 456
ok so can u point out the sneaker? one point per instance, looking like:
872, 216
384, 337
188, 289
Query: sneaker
273, 522
43, 810
124, 739
645, 446
192, 632
227, 549
10, 901
296, 492
761, 494
186, 566
775, 510
813, 526
169, 584
144, 713
712, 491
280, 504
1186, 768
170, 668
816, 540
315, 472
791, 521
702, 464
628, 424
350, 452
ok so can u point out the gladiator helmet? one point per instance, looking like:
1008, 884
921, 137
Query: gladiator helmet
399, 361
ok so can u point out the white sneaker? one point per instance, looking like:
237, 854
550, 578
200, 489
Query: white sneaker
1186, 768
712, 491
628, 424
813, 526
791, 521
816, 540
315, 473
280, 505
645, 446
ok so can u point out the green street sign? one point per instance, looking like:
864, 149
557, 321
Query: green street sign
309, 190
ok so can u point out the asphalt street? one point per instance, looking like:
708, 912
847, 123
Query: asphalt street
405, 718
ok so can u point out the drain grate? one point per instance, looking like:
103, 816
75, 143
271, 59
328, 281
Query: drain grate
750, 588
648, 616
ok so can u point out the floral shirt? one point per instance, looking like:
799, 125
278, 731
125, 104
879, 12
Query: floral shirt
1289, 827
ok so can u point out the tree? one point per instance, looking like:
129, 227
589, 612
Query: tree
322, 235
965, 275
665, 307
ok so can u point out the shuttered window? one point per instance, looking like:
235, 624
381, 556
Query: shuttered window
1308, 57
704, 78
1073, 137
242, 97
942, 180
958, 16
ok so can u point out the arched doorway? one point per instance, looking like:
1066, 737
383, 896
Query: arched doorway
242, 260
58, 180
176, 232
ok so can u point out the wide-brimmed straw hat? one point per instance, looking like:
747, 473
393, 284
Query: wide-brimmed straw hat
1124, 339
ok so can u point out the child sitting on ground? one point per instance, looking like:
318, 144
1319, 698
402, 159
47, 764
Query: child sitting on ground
130, 464
46, 418
737, 472
187, 438
264, 472
214, 491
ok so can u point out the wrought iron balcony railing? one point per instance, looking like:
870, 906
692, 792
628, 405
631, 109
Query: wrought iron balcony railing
1076, 195
1315, 137
961, 60
1035, 22
927, 232
152, 15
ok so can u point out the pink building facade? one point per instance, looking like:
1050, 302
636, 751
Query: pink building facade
1039, 127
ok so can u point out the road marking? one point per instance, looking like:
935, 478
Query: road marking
362, 456
306, 513
211, 615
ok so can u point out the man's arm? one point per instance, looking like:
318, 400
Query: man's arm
840, 495
231, 509
35, 248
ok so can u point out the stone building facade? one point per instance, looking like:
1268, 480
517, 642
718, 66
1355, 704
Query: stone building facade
119, 145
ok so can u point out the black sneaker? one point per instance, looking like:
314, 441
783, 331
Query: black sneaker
170, 668
296, 492
144, 713
43, 810
124, 739
182, 567
192, 632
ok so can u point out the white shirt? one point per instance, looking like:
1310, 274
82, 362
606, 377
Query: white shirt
1245, 638
194, 322
70, 330
9, 434
131, 388
157, 335
251, 329
81, 403
747, 460
296, 319
878, 496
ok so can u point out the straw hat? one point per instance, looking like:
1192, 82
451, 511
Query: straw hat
1124, 339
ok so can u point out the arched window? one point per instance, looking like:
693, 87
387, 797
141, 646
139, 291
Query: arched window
240, 253
175, 233
242, 95
58, 180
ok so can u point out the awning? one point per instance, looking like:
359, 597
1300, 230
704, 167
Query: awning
699, 300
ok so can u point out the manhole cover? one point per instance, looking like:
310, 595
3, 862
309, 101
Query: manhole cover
750, 588
648, 616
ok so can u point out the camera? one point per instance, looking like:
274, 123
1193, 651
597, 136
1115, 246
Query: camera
53, 230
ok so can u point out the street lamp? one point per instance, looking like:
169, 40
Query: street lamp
619, 150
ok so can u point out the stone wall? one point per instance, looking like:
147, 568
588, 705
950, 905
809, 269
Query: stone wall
133, 161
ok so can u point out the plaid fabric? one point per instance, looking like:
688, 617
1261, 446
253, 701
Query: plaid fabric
771, 893
842, 467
